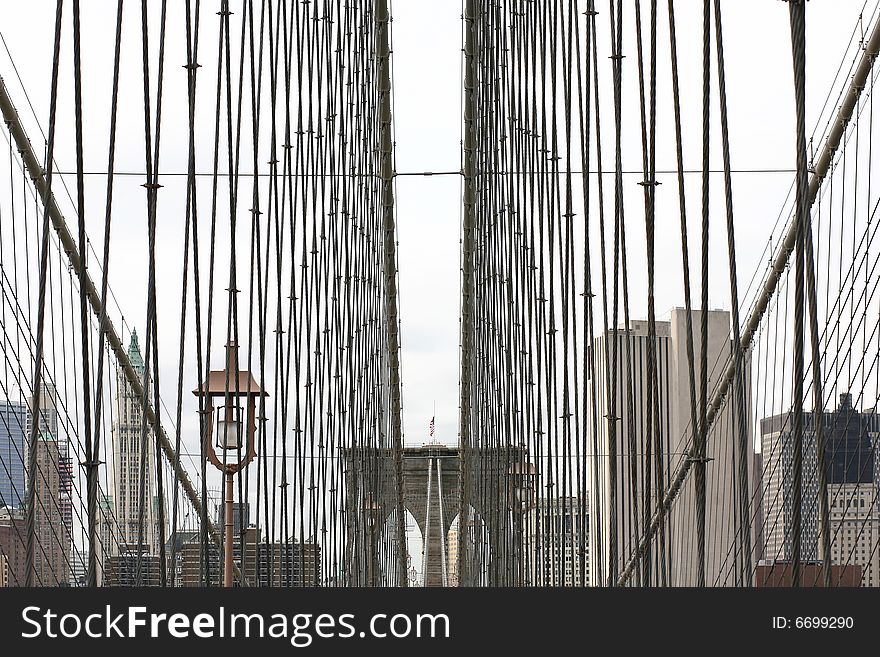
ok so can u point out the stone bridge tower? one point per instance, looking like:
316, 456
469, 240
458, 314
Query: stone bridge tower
432, 494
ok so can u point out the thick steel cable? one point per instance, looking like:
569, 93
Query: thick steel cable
92, 459
648, 184
739, 401
191, 217
699, 455
91, 472
41, 299
798, 41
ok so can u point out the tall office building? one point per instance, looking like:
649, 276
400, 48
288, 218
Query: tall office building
65, 498
48, 410
107, 527
289, 564
105, 537
757, 507
52, 536
53, 508
557, 543
192, 566
241, 512
13, 453
127, 570
777, 490
850, 439
13, 531
855, 529
79, 568
617, 511
131, 461
452, 554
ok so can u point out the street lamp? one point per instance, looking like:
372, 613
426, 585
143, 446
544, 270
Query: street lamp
523, 476
233, 393
522, 479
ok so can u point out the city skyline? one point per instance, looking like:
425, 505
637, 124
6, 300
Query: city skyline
435, 245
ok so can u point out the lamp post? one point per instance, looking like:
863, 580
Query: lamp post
235, 394
522, 477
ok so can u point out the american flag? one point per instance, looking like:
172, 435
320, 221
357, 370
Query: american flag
431, 427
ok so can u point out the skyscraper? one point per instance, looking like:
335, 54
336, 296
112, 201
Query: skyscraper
65, 500
133, 461
48, 410
192, 566
777, 490
13, 531
624, 486
52, 536
452, 553
850, 439
557, 550
53, 508
104, 536
854, 518
289, 564
13, 453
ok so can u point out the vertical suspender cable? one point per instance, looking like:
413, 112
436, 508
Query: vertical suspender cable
739, 410
700, 453
802, 208
93, 460
92, 466
45, 188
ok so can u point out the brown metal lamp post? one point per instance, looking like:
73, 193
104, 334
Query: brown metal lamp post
522, 478
236, 393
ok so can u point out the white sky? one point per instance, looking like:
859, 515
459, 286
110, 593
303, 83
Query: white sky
427, 85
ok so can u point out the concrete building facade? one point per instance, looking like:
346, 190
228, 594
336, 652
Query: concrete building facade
557, 543
622, 452
851, 438
52, 535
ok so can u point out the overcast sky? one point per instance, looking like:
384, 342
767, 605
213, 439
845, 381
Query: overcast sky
427, 117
